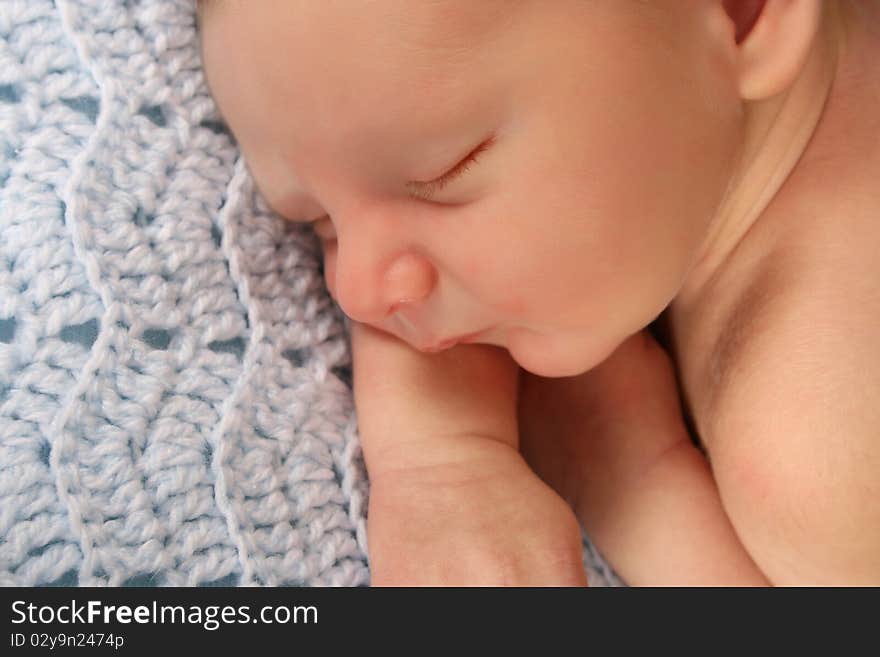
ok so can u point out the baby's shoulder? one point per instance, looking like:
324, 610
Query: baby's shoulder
801, 336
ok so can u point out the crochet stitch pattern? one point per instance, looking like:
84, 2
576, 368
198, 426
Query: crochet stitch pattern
175, 380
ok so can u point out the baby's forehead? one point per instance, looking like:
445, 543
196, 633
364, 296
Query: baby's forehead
287, 72
450, 24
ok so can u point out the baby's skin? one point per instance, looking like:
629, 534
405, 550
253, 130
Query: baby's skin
555, 177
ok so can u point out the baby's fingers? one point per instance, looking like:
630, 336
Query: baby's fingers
411, 401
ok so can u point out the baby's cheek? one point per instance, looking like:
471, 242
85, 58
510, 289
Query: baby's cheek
513, 305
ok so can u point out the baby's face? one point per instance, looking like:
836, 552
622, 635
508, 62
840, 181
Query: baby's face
606, 134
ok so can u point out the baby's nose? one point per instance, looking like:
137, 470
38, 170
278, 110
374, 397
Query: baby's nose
371, 296
409, 279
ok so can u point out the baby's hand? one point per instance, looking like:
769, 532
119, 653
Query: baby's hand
485, 521
452, 502
613, 442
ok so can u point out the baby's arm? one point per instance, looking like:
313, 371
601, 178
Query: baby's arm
452, 502
613, 442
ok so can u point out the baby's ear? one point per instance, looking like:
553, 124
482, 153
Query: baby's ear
773, 38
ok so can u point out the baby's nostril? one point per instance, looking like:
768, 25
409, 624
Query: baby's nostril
397, 306
409, 328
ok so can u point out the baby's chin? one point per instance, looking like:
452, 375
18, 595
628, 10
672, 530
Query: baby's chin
557, 356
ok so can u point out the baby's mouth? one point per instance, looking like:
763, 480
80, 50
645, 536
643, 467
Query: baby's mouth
439, 345
412, 334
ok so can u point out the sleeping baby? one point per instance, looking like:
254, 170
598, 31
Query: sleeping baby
608, 264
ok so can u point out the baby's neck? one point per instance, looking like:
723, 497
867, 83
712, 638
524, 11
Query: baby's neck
777, 133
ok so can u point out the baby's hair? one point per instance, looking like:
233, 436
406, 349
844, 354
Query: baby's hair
207, 7
204, 6
210, 4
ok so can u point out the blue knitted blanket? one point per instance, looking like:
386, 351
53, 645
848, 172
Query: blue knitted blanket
175, 381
